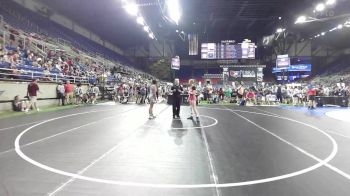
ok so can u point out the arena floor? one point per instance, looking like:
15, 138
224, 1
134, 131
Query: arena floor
115, 150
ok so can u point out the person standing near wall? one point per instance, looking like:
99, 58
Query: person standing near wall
177, 91
60, 94
95, 93
68, 87
78, 94
32, 91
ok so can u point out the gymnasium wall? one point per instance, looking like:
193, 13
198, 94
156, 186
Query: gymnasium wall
10, 89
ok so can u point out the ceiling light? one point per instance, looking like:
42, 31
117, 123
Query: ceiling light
140, 20
280, 18
177, 31
330, 2
300, 19
146, 28
131, 8
320, 7
174, 11
280, 30
151, 35
182, 32
340, 26
323, 33
347, 24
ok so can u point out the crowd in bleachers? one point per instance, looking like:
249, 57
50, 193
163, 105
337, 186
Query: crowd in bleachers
22, 61
19, 60
34, 23
90, 61
26, 54
334, 72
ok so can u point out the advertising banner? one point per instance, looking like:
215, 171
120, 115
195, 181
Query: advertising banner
192, 44
243, 74
295, 68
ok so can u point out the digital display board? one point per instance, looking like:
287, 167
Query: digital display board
208, 50
283, 61
228, 51
175, 63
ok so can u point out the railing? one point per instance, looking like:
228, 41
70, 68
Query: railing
29, 75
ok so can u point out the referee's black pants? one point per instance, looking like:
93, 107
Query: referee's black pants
176, 106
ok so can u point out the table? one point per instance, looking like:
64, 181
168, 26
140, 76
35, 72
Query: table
332, 100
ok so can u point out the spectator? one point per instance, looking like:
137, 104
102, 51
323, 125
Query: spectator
18, 105
210, 92
143, 92
221, 94
32, 91
138, 93
78, 94
279, 94
311, 97
95, 93
61, 94
90, 94
250, 96
240, 93
68, 89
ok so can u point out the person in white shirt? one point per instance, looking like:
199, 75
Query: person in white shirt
95, 93
61, 94
326, 91
78, 94
296, 96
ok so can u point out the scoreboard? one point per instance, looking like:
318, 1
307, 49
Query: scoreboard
228, 51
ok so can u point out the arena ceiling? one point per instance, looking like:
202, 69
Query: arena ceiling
213, 20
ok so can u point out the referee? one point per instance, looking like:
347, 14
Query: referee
177, 91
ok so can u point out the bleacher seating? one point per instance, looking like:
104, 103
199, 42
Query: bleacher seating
53, 29
5, 65
335, 71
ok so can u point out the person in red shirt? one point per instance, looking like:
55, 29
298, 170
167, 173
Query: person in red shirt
250, 96
32, 91
311, 97
69, 91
